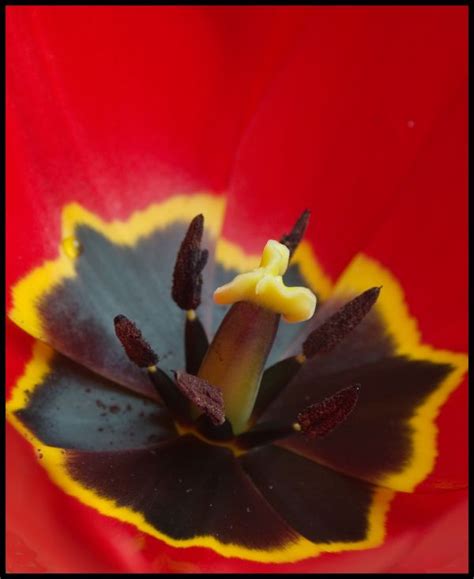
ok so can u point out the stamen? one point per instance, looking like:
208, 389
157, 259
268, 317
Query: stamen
191, 315
321, 340
187, 278
219, 432
136, 347
339, 325
315, 421
321, 418
195, 342
140, 353
170, 394
265, 433
206, 397
292, 239
186, 292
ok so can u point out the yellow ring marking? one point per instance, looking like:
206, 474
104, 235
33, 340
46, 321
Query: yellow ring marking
29, 290
365, 272
55, 462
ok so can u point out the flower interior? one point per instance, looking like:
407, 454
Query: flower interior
217, 396
255, 424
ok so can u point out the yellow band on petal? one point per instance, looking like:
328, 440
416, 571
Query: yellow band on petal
264, 287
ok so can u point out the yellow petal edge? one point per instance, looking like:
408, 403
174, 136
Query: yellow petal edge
229, 255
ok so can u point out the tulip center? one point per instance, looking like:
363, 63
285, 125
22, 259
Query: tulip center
225, 388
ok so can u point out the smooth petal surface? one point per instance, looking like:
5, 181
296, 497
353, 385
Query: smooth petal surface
330, 509
72, 407
189, 492
357, 101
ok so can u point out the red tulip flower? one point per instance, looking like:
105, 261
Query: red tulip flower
345, 450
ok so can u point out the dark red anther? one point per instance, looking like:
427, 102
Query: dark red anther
206, 397
321, 418
136, 347
292, 239
191, 259
340, 324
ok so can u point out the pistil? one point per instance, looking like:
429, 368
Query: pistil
236, 357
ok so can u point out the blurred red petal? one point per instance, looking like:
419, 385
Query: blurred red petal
443, 546
343, 124
51, 531
423, 239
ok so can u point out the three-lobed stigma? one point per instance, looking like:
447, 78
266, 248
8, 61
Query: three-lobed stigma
264, 287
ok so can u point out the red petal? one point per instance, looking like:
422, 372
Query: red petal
116, 107
335, 131
344, 122
423, 239
56, 532
443, 548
